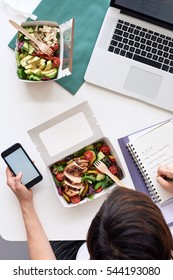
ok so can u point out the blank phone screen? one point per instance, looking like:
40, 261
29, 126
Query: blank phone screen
19, 162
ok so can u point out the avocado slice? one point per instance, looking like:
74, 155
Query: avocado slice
50, 73
30, 49
89, 147
100, 177
42, 64
100, 155
22, 55
48, 65
29, 66
33, 60
24, 60
33, 71
37, 71
34, 77
29, 29
28, 71
25, 46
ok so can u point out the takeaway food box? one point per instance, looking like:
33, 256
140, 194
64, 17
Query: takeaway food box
69, 144
35, 66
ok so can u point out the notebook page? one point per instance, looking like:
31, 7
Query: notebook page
143, 131
155, 148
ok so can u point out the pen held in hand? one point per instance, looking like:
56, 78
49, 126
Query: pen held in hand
168, 179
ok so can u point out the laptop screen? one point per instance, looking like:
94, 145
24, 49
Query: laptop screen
160, 10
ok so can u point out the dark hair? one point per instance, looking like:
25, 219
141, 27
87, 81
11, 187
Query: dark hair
129, 226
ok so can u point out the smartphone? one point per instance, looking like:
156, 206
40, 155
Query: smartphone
18, 161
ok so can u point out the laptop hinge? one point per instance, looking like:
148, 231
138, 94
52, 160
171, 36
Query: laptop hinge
145, 18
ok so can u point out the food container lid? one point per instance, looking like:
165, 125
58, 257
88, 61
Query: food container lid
66, 133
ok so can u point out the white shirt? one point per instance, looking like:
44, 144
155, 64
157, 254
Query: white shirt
82, 253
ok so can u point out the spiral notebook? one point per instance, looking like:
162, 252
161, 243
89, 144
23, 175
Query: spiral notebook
149, 149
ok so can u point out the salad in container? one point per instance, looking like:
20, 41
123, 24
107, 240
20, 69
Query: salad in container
76, 178
32, 63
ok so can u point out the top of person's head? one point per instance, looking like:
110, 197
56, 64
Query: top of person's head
129, 225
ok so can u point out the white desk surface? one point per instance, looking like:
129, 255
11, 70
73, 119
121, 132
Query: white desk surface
25, 105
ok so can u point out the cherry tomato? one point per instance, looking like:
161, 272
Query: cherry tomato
75, 199
56, 61
60, 176
89, 155
55, 47
99, 190
113, 169
105, 149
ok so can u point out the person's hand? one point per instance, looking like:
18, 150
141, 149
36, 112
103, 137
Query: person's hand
162, 172
22, 193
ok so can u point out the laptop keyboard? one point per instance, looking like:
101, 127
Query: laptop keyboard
143, 45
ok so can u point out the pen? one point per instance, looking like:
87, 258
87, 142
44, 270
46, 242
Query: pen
168, 179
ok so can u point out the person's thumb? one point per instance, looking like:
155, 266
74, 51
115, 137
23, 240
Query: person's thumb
19, 177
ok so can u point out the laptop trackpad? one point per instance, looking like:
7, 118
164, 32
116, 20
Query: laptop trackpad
143, 82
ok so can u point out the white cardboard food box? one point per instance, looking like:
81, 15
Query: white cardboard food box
65, 134
66, 41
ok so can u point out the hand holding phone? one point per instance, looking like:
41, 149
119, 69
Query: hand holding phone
18, 161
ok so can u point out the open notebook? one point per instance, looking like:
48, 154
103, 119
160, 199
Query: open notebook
150, 149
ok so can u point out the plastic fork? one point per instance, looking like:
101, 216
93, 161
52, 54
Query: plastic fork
103, 168
42, 46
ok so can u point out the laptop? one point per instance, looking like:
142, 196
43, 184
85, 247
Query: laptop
133, 54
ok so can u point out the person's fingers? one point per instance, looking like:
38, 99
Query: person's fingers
165, 184
8, 172
19, 176
18, 180
161, 181
165, 171
10, 178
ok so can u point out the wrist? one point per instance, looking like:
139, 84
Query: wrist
26, 206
